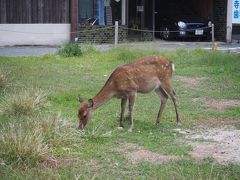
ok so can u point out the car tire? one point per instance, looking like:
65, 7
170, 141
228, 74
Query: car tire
165, 33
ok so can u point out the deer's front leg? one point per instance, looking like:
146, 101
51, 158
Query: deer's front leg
123, 107
131, 99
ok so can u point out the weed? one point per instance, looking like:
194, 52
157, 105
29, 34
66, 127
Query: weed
35, 139
22, 145
70, 50
26, 102
57, 131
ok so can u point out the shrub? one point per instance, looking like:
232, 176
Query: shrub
70, 50
26, 102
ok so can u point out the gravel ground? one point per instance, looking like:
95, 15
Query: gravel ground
222, 144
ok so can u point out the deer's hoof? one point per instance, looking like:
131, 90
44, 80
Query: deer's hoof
130, 130
179, 123
120, 128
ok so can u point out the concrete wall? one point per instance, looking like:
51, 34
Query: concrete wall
34, 34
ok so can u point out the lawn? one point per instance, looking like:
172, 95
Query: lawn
38, 123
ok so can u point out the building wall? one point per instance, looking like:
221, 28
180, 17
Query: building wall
34, 11
220, 19
34, 22
34, 34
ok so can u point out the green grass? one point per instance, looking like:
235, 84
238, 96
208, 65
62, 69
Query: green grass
5, 81
63, 79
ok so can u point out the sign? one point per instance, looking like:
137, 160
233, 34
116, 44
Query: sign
199, 32
236, 12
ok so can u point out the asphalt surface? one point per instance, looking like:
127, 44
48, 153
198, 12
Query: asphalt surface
27, 50
157, 45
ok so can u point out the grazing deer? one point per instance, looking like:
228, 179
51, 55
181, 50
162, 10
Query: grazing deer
151, 73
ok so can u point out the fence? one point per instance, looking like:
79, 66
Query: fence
111, 34
101, 34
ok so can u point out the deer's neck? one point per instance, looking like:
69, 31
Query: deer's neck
104, 95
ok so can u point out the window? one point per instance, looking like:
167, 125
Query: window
86, 10
99, 12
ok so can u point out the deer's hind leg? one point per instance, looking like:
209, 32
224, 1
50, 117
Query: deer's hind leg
172, 93
123, 107
131, 99
164, 98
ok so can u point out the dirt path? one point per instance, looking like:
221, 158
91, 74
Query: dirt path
190, 82
135, 154
219, 104
220, 143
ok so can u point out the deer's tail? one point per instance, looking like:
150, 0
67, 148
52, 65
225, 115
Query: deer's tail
173, 67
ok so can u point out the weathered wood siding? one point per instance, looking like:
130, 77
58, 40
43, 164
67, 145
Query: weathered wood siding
34, 11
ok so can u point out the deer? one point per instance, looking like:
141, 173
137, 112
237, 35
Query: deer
144, 75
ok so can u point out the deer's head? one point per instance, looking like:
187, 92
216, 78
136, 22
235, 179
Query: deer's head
84, 112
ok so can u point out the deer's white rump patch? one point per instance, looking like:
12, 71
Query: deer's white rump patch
173, 67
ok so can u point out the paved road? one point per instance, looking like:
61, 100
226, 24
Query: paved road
164, 45
158, 45
27, 51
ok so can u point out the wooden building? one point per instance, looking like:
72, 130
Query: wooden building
53, 22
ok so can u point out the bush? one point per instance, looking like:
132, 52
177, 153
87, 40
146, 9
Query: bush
26, 102
70, 50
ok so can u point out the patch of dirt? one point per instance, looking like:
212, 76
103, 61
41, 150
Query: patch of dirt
221, 144
135, 154
219, 104
93, 162
124, 147
191, 82
149, 156
213, 122
59, 162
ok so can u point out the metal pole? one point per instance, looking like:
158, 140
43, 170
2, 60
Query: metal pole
229, 21
213, 40
116, 33
153, 19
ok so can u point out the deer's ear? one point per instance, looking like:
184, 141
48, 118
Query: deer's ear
80, 99
90, 103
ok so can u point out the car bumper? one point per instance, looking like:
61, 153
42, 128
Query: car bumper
197, 33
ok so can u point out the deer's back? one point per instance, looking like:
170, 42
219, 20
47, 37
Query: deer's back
143, 75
